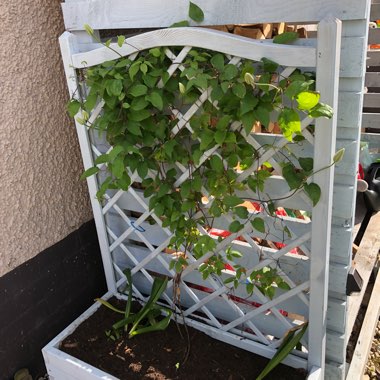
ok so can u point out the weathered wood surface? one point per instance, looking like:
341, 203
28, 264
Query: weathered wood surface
371, 100
371, 120
367, 331
374, 36
372, 79
118, 14
364, 262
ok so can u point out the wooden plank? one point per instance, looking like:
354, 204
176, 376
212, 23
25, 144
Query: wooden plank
371, 100
286, 55
364, 262
366, 335
349, 109
118, 14
372, 79
375, 11
335, 347
352, 57
329, 37
336, 314
373, 58
371, 120
335, 371
374, 36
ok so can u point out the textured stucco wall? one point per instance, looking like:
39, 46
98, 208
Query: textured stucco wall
41, 197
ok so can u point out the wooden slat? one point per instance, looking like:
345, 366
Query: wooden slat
372, 79
366, 335
118, 14
371, 120
352, 57
349, 109
336, 314
202, 38
374, 36
375, 11
329, 39
373, 58
335, 347
335, 371
371, 100
364, 262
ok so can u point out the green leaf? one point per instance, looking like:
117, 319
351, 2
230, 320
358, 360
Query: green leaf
269, 65
338, 156
248, 120
90, 102
180, 24
73, 107
322, 110
248, 103
239, 90
220, 136
216, 164
241, 212
107, 304
134, 69
195, 13
313, 191
103, 158
144, 68
120, 40
156, 99
89, 172
138, 90
291, 339
114, 87
306, 163
289, 122
207, 137
262, 115
118, 167
230, 72
134, 128
116, 150
88, 29
218, 61
235, 226
291, 176
258, 224
156, 52
285, 38
307, 100
223, 122
232, 200
297, 87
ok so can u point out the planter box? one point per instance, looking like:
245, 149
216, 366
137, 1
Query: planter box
61, 366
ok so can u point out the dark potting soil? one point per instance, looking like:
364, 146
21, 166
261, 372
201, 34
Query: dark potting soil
160, 355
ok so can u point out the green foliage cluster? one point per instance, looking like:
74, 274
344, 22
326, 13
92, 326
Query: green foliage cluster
147, 319
140, 118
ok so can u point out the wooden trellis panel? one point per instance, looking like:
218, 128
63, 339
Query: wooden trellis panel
111, 14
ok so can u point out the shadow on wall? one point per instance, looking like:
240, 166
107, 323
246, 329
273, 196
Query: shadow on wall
41, 297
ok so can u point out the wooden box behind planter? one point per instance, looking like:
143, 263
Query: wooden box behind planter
127, 239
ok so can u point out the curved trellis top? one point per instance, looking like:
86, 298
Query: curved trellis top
119, 14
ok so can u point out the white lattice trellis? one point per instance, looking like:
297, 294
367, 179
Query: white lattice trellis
129, 239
